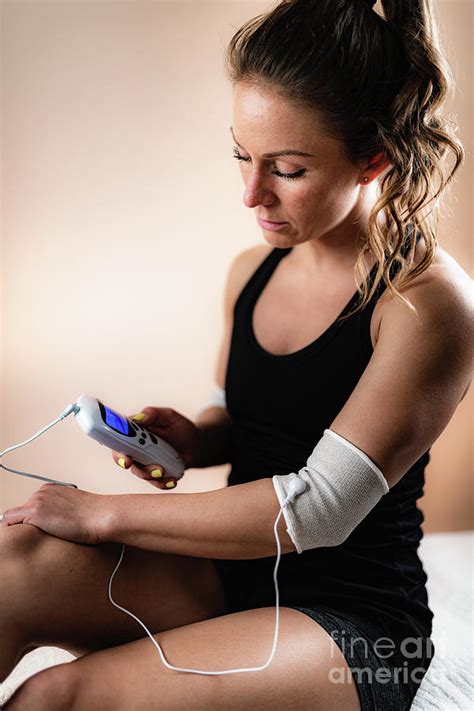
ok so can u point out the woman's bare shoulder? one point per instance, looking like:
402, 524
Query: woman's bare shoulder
444, 279
446, 282
450, 270
442, 293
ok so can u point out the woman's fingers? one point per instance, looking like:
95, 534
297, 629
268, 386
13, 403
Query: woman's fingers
155, 474
122, 460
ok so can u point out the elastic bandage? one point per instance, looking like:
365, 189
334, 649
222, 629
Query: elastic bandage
342, 486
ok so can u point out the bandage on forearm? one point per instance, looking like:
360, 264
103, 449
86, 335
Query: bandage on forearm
342, 487
217, 399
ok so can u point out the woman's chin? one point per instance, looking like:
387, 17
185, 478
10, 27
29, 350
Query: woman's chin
277, 239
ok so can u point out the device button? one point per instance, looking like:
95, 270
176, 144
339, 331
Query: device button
135, 427
142, 441
153, 439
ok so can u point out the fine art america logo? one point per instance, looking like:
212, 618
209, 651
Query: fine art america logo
389, 654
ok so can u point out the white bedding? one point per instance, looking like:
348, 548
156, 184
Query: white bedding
448, 684
448, 562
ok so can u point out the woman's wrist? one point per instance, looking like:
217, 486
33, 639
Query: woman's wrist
106, 526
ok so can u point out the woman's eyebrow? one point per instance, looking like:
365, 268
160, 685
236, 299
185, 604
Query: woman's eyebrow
277, 154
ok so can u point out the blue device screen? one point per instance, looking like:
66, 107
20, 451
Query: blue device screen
116, 421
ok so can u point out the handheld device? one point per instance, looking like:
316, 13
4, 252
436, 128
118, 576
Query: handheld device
124, 435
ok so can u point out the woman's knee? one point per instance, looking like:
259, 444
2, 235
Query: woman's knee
27, 549
23, 550
20, 539
19, 546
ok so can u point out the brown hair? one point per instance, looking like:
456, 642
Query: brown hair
377, 83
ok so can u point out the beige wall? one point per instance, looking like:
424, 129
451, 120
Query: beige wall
122, 210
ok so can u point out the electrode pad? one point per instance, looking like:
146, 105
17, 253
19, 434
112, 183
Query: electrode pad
342, 486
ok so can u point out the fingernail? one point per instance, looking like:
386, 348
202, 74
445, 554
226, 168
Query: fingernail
156, 473
139, 416
170, 484
121, 462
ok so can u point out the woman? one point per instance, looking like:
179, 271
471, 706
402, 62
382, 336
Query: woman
340, 145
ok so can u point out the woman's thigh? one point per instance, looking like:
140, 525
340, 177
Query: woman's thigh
58, 590
132, 677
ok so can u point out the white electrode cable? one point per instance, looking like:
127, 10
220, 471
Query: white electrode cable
38, 476
297, 488
65, 413
69, 409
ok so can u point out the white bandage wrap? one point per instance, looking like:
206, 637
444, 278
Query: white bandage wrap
342, 486
217, 399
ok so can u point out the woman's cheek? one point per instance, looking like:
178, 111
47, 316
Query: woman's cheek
339, 200
328, 209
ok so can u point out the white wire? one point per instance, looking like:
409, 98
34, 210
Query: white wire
38, 434
37, 476
69, 409
65, 413
201, 671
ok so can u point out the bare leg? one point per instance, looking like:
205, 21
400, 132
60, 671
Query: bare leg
132, 677
54, 592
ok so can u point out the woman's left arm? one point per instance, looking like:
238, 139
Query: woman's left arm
418, 373
235, 522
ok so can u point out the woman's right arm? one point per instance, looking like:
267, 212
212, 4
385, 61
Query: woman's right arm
215, 424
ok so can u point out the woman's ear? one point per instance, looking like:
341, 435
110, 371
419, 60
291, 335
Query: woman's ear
374, 165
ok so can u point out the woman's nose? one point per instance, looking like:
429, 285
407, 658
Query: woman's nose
257, 192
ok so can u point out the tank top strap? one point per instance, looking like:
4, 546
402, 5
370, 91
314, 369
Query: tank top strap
255, 285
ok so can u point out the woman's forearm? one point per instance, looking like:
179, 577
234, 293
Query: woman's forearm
231, 523
214, 429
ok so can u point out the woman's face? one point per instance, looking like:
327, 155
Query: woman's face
312, 194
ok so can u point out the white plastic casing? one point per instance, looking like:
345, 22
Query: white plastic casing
90, 420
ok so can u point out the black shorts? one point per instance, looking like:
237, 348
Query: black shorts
387, 673
385, 679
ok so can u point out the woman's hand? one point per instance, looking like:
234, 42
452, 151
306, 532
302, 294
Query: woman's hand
63, 512
177, 430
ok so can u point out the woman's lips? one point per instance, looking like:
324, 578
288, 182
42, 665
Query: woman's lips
270, 225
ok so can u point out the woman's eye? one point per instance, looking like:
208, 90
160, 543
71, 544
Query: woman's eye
290, 176
279, 174
238, 156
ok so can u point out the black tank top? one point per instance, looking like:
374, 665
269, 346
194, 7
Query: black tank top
281, 405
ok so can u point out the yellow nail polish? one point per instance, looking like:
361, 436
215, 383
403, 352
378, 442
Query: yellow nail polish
156, 473
121, 462
170, 484
138, 417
